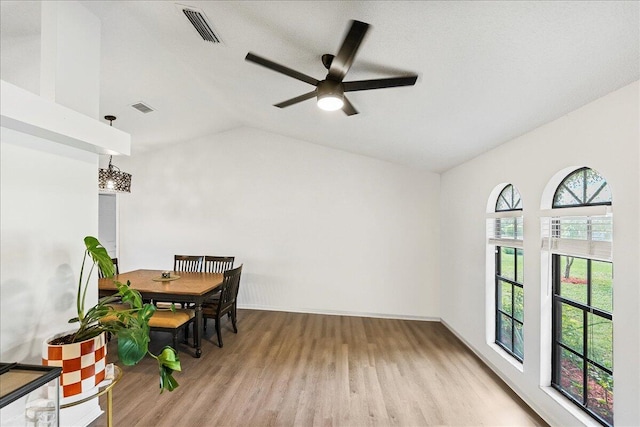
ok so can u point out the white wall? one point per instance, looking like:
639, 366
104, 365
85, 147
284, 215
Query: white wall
603, 135
317, 229
48, 202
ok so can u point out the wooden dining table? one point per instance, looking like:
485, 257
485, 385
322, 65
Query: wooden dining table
193, 288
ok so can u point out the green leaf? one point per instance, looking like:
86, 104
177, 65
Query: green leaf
129, 295
166, 380
146, 312
168, 362
133, 344
100, 256
169, 358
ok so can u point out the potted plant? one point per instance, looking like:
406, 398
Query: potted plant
128, 322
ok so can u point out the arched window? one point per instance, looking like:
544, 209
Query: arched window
506, 233
509, 200
584, 187
582, 280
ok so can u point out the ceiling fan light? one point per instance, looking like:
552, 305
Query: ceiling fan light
330, 102
330, 95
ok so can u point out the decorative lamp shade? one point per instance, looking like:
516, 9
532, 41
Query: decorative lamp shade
113, 179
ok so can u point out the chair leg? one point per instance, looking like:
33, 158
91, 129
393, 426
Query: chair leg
219, 332
175, 339
186, 333
233, 320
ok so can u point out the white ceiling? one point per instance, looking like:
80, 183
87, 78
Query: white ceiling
488, 71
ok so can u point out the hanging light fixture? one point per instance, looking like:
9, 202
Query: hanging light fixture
112, 178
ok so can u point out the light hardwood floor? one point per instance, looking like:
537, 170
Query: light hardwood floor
308, 370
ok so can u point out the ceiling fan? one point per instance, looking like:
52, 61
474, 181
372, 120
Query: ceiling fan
330, 91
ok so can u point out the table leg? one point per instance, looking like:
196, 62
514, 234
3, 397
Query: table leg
198, 329
109, 409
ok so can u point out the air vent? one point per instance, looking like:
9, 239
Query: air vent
201, 24
142, 107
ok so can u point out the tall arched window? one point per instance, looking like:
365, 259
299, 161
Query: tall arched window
505, 232
582, 280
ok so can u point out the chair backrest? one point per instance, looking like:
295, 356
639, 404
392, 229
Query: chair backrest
187, 263
217, 264
101, 275
229, 289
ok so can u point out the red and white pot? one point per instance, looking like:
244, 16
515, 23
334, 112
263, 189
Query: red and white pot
82, 363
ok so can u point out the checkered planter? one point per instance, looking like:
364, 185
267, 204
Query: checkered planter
82, 363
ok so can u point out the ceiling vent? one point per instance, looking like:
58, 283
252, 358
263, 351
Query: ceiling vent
142, 107
200, 22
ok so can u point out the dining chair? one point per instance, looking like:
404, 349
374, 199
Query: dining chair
217, 264
172, 321
226, 304
187, 263
101, 275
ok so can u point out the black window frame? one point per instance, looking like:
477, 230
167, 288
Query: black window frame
557, 345
513, 203
499, 279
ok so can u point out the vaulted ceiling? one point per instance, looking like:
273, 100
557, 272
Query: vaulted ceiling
488, 71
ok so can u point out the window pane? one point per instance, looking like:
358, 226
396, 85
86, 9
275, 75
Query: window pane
509, 199
572, 326
600, 340
519, 228
569, 195
571, 376
597, 189
520, 265
504, 330
518, 345
504, 200
504, 299
507, 227
602, 285
573, 278
600, 393
518, 303
507, 266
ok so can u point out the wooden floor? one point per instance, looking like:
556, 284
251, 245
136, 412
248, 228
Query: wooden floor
296, 369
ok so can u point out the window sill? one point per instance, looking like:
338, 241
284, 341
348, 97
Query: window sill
509, 358
567, 405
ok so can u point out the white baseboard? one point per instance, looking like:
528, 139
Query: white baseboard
547, 417
340, 313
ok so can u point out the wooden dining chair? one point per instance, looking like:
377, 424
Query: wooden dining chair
226, 304
101, 275
217, 264
187, 263
172, 321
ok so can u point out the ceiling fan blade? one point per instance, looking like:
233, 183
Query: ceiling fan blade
348, 108
379, 83
281, 69
297, 99
344, 58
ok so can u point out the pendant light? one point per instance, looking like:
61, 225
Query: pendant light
113, 179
